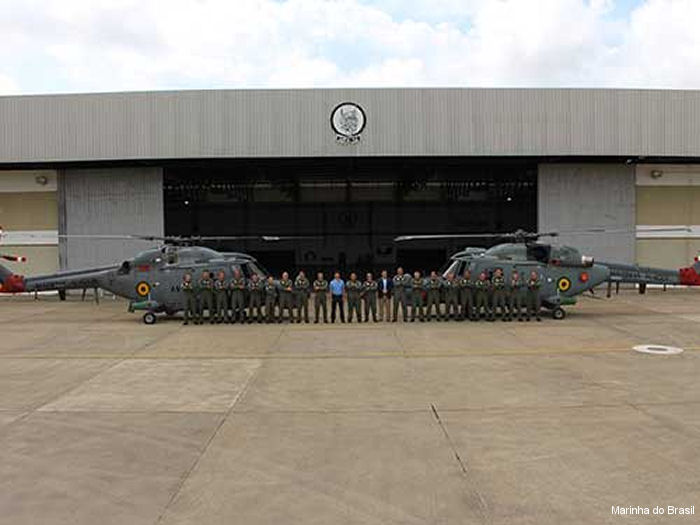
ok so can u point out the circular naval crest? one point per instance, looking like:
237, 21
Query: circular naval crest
348, 120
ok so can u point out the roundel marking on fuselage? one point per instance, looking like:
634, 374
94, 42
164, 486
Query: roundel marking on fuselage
564, 283
143, 288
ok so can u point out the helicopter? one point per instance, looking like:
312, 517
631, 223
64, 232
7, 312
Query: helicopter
151, 280
564, 271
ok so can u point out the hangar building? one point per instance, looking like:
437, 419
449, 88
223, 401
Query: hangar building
349, 169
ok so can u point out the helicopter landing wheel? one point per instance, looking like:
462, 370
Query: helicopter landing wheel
149, 318
558, 313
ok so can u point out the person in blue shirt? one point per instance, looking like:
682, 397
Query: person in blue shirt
337, 288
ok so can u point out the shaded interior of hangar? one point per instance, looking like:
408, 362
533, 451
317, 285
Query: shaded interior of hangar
350, 208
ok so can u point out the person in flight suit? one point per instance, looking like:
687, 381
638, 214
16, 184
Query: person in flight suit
466, 296
353, 289
301, 293
534, 303
320, 297
481, 289
221, 295
369, 296
400, 290
190, 291
270, 299
206, 297
433, 285
237, 287
417, 287
517, 289
286, 297
451, 297
498, 283
385, 286
256, 290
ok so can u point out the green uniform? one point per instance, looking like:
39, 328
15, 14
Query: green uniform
301, 297
237, 287
499, 296
451, 299
417, 286
221, 299
434, 285
286, 299
353, 290
466, 298
533, 298
517, 298
321, 299
206, 299
256, 290
369, 297
401, 283
190, 292
481, 295
270, 299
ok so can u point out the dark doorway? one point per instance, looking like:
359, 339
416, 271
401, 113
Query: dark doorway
351, 207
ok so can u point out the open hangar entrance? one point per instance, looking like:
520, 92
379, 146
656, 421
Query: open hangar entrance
350, 208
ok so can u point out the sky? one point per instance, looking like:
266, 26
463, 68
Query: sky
68, 46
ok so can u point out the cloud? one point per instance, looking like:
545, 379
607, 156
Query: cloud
82, 45
8, 86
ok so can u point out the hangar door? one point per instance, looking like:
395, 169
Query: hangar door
349, 210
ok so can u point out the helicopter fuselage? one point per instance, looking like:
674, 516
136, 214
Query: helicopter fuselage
563, 271
150, 281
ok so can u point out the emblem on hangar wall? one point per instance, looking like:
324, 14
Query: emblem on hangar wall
348, 121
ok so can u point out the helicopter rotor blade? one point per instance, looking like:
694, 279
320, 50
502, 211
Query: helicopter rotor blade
524, 236
604, 230
438, 236
175, 239
267, 238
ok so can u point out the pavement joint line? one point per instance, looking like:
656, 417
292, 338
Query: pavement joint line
457, 410
112, 411
67, 391
481, 502
183, 479
35, 408
370, 411
667, 424
408, 355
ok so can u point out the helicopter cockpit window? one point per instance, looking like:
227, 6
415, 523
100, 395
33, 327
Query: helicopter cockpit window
454, 268
539, 252
246, 270
170, 255
256, 268
567, 255
507, 251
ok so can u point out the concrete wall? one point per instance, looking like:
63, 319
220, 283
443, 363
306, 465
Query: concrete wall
580, 196
119, 201
29, 218
668, 196
278, 123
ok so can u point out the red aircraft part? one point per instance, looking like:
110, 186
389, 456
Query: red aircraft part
14, 258
689, 276
13, 284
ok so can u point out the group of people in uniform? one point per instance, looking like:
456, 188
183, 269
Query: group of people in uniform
403, 296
